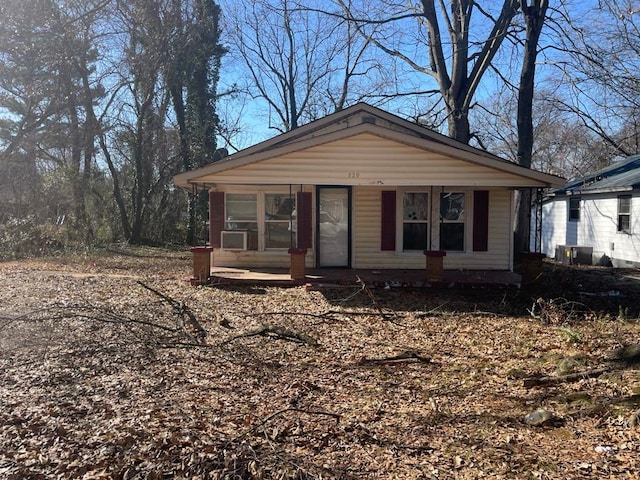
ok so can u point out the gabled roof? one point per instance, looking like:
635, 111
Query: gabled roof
620, 176
358, 119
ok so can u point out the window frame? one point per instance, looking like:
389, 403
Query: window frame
626, 214
257, 238
401, 220
444, 221
290, 222
573, 209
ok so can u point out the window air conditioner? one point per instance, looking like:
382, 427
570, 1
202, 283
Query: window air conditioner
233, 240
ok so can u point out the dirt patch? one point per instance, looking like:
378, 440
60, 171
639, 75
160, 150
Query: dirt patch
103, 378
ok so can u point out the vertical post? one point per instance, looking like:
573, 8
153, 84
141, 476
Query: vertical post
201, 265
297, 270
435, 264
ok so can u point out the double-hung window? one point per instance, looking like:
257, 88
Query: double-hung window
242, 215
279, 220
452, 218
415, 220
574, 209
624, 213
266, 215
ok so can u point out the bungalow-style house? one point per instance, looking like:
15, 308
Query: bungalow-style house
592, 219
363, 189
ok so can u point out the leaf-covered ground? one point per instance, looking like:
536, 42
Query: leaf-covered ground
102, 377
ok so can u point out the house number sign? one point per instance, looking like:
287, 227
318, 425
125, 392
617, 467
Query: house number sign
353, 174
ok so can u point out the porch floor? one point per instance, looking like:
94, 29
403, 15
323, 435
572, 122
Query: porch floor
373, 278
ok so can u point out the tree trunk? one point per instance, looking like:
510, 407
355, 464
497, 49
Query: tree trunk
534, 16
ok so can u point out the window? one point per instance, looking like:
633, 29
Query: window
279, 220
242, 214
452, 221
574, 209
415, 217
624, 213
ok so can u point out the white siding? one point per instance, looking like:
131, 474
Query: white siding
554, 225
367, 222
367, 159
597, 228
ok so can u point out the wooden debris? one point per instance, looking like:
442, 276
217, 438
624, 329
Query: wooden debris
404, 357
277, 332
572, 377
628, 353
183, 311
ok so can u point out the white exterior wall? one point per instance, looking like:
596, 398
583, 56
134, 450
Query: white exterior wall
554, 225
597, 228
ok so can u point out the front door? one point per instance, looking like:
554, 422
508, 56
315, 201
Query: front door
334, 226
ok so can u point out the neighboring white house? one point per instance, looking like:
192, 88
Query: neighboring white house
362, 188
598, 212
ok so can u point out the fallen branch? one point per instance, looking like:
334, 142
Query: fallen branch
182, 310
276, 332
383, 314
403, 357
268, 418
572, 377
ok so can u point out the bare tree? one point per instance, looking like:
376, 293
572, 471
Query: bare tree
414, 33
601, 60
301, 63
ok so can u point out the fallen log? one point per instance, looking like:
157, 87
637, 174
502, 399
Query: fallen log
403, 357
571, 377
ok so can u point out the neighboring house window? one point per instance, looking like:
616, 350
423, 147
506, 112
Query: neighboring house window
415, 220
279, 229
452, 221
242, 215
624, 213
574, 209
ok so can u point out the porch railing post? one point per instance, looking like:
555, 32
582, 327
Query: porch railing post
297, 270
201, 265
435, 264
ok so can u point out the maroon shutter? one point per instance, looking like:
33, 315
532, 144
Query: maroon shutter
480, 220
388, 230
303, 209
216, 217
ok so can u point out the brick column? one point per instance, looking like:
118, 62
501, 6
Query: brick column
532, 267
435, 264
201, 265
297, 270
